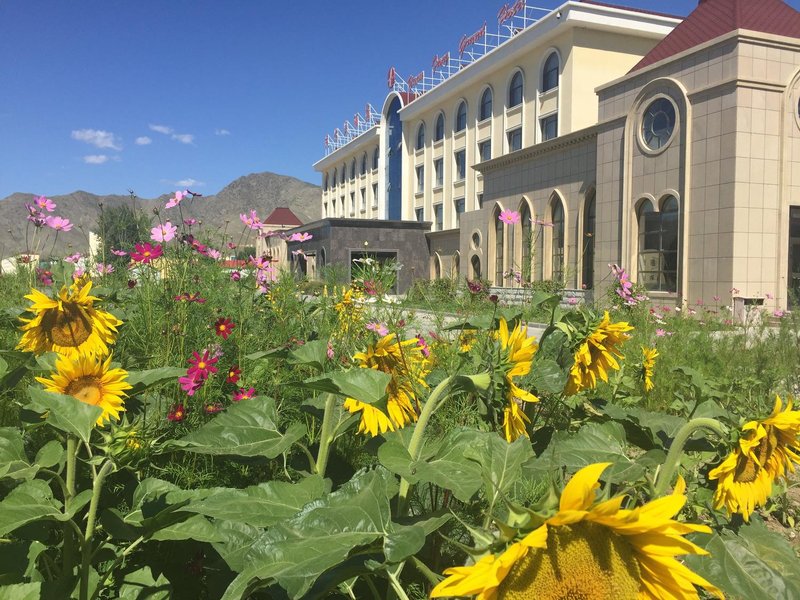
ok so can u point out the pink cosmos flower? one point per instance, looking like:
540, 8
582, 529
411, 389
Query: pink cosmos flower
716, 298
44, 203
378, 328
145, 253
236, 275
252, 221
189, 222
78, 273
202, 366
163, 233
300, 237
103, 269
769, 296
329, 352
73, 258
244, 394
176, 199
572, 301
660, 332
58, 223
34, 216
779, 313
215, 254
190, 385
119, 252
421, 343
509, 217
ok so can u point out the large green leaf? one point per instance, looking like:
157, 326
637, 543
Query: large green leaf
65, 412
21, 591
195, 527
244, 429
756, 564
313, 354
500, 462
365, 385
444, 463
261, 505
141, 380
140, 585
13, 462
296, 552
645, 428
592, 443
28, 502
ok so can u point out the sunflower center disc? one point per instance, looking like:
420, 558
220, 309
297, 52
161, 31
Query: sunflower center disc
584, 561
86, 389
746, 468
69, 327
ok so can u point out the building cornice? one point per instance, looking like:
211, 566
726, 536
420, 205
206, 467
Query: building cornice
348, 150
559, 143
568, 16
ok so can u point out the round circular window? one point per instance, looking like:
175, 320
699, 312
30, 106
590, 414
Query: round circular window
658, 123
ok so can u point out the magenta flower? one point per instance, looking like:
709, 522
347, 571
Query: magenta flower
189, 222
236, 275
73, 258
163, 233
118, 252
190, 385
215, 254
58, 223
202, 366
244, 394
252, 221
44, 203
509, 217
423, 345
300, 237
145, 252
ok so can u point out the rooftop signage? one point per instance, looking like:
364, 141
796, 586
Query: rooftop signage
512, 18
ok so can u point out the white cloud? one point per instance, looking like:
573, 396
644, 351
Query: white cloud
161, 129
183, 138
97, 137
221, 132
189, 182
143, 140
95, 159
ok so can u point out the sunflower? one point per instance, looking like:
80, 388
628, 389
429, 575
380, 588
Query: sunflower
68, 324
596, 355
767, 449
648, 364
516, 356
407, 366
349, 311
90, 380
590, 549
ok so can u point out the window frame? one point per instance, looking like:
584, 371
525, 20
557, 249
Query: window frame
514, 132
516, 93
420, 143
486, 106
551, 72
461, 117
461, 167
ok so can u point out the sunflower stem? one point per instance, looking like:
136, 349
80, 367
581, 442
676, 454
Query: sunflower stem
415, 445
667, 473
97, 487
326, 434
397, 587
68, 550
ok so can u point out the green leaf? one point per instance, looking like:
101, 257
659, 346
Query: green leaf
548, 376
405, 541
195, 527
21, 591
296, 552
444, 463
140, 585
647, 429
65, 412
261, 505
244, 429
50, 454
13, 462
756, 564
141, 380
3, 368
500, 462
28, 502
314, 354
365, 385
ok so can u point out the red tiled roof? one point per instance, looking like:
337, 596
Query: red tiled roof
713, 18
282, 216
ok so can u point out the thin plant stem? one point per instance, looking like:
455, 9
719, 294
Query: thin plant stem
68, 550
397, 587
667, 473
97, 488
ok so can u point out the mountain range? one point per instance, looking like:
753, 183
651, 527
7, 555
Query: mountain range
261, 192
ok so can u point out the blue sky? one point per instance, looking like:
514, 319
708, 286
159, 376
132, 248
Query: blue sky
157, 95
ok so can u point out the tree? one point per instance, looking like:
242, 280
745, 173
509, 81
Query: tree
121, 227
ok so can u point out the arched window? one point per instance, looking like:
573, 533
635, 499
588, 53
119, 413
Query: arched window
325, 182
343, 176
364, 164
550, 73
587, 277
476, 266
499, 244
455, 268
438, 132
515, 90
375, 156
658, 245
527, 242
557, 248
486, 104
353, 169
461, 117
420, 136
437, 267
335, 175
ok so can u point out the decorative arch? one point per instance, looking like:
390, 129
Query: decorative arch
497, 244
420, 141
515, 88
586, 235
461, 116
550, 70
437, 266
557, 236
363, 170
438, 127
485, 104
526, 230
475, 271
455, 266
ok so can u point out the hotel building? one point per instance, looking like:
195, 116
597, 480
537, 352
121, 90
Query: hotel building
669, 146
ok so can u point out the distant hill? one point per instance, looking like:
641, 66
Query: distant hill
261, 192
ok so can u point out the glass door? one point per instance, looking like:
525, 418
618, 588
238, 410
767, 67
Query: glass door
794, 256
